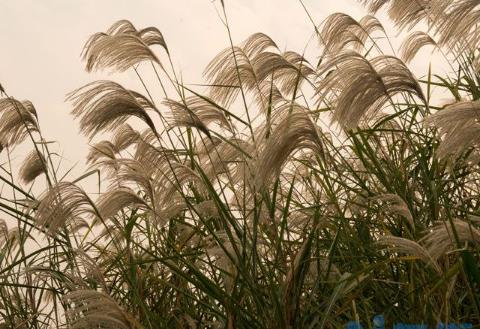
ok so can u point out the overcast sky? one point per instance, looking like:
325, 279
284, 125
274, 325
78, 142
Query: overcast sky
42, 41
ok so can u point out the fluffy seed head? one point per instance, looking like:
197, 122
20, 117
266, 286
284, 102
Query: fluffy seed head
104, 105
33, 166
122, 47
61, 204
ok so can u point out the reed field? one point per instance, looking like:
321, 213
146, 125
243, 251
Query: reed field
287, 191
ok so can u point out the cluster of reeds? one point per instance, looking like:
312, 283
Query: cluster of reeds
290, 193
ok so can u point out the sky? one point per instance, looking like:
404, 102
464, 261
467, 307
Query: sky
42, 41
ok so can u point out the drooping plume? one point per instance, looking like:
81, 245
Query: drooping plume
404, 13
62, 204
93, 309
412, 248
122, 47
233, 65
116, 199
339, 31
459, 127
104, 105
441, 238
16, 121
360, 88
413, 43
196, 112
294, 130
33, 166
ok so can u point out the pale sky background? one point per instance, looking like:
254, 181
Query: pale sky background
42, 41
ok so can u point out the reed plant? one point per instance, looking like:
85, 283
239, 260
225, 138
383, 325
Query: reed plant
288, 192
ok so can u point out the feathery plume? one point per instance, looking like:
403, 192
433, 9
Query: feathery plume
361, 88
457, 23
413, 43
77, 224
61, 204
33, 166
91, 309
207, 208
219, 156
257, 43
92, 269
226, 250
104, 105
407, 13
294, 130
171, 178
114, 200
196, 112
441, 238
287, 69
340, 30
396, 205
122, 47
16, 121
103, 156
233, 65
3, 232
174, 207
411, 248
369, 24
253, 64
139, 173
269, 94
152, 36
150, 155
121, 26
375, 5
459, 127
120, 52
124, 136
103, 149
404, 13
226, 71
